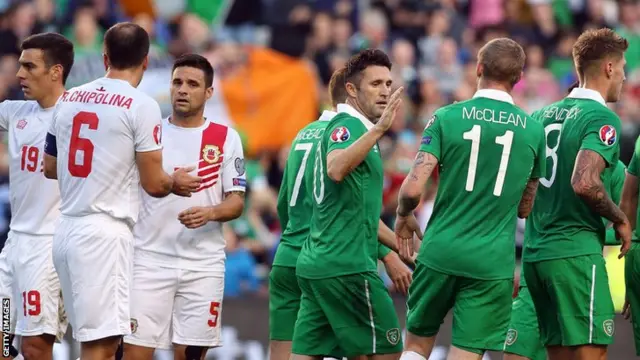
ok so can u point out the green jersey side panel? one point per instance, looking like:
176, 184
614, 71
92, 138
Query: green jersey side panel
634, 169
295, 200
343, 237
561, 225
487, 151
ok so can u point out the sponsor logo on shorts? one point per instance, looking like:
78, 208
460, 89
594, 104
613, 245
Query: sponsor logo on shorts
512, 336
609, 327
134, 326
393, 336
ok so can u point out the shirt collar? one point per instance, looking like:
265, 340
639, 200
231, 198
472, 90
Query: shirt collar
346, 108
494, 94
327, 115
584, 93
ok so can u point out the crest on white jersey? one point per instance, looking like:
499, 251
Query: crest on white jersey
211, 154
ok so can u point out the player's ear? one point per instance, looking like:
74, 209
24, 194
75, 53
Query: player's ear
145, 63
208, 93
351, 89
608, 69
479, 70
56, 72
105, 60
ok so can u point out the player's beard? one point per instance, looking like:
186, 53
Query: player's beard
191, 111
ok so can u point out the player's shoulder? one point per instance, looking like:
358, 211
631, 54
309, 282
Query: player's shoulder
20, 107
232, 136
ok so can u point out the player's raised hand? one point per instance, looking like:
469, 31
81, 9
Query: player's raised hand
195, 217
389, 113
183, 183
405, 228
623, 233
398, 272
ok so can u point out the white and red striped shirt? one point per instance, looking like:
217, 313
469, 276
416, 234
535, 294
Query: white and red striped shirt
160, 239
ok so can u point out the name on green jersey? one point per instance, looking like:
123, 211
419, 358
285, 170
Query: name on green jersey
561, 114
309, 134
491, 115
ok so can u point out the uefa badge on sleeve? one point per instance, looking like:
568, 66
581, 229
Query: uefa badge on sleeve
608, 135
340, 134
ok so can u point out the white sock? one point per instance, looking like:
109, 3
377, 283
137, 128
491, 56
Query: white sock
411, 355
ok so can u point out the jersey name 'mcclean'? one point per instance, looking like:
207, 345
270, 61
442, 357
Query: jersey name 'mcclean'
491, 115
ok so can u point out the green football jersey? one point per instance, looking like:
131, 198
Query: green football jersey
561, 224
634, 169
343, 236
613, 183
487, 149
294, 200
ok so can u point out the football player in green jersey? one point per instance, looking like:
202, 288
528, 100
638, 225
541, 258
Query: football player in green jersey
345, 305
490, 154
629, 205
523, 337
294, 210
563, 263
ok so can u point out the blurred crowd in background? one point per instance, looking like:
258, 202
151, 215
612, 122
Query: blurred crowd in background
273, 60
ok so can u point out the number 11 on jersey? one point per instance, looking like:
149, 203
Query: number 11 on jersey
505, 140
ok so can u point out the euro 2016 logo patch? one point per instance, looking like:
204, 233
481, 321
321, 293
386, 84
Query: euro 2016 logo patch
393, 336
609, 327
157, 134
134, 326
512, 336
340, 134
608, 135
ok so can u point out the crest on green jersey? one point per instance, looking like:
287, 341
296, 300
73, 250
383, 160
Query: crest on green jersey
609, 327
393, 336
512, 336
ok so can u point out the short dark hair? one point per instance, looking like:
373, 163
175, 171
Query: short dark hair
337, 89
502, 60
56, 49
362, 60
593, 46
127, 45
198, 62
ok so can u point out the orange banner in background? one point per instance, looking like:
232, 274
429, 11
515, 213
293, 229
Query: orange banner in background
271, 99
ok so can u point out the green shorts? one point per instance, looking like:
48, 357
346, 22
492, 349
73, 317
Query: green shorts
350, 315
284, 302
432, 294
523, 337
632, 284
572, 300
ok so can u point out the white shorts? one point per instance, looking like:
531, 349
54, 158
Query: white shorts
93, 256
7, 290
37, 284
175, 306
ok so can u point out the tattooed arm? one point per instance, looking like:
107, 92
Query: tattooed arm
528, 196
587, 184
414, 183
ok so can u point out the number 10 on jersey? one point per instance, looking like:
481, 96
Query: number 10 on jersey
505, 140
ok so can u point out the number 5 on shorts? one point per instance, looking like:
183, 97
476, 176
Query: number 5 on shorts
214, 310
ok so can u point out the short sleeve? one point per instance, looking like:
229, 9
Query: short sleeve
343, 131
432, 136
233, 171
540, 162
634, 164
602, 136
147, 127
6, 108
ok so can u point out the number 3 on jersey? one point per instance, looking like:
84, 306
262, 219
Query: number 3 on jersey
81, 169
505, 140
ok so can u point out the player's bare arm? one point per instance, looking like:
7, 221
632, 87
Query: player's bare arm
50, 167
409, 198
229, 209
528, 196
386, 236
629, 198
341, 162
587, 184
398, 272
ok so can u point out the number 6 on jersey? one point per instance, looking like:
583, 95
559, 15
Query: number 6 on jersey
81, 168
